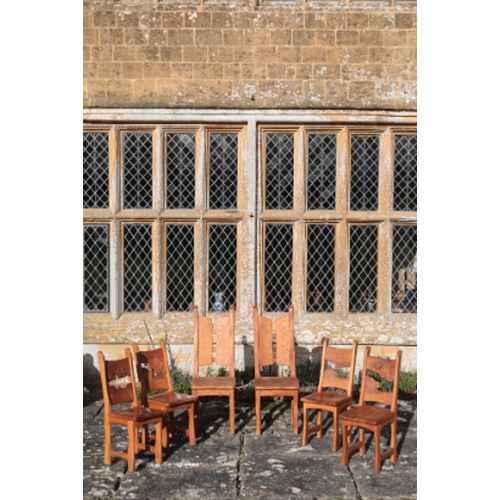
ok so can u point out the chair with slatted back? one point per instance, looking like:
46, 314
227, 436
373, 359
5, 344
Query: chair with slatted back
337, 372
274, 344
118, 386
379, 385
214, 347
157, 391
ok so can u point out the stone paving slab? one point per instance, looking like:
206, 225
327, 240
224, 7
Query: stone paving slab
271, 466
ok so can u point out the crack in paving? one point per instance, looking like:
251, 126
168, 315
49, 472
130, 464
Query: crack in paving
241, 453
358, 494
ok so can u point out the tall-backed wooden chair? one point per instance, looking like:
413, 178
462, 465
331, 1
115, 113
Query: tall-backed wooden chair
154, 375
379, 384
214, 346
337, 372
118, 386
270, 348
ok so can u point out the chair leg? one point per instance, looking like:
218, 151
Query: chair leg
257, 414
346, 433
377, 450
362, 449
319, 423
158, 442
335, 445
191, 425
107, 443
295, 414
305, 424
132, 436
394, 455
231, 413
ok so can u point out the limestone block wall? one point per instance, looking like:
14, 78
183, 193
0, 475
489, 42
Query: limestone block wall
335, 54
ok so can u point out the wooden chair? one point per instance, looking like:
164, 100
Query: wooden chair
214, 345
275, 348
154, 375
118, 386
371, 417
325, 400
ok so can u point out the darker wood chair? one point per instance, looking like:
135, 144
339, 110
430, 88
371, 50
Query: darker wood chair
118, 386
337, 372
157, 391
379, 384
275, 348
214, 347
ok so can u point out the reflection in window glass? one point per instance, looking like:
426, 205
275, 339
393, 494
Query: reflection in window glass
95, 268
180, 166
137, 170
364, 172
321, 175
404, 269
223, 171
95, 170
279, 171
405, 173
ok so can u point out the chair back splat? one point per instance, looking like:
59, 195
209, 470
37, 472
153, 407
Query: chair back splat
154, 375
379, 384
118, 386
337, 372
274, 344
214, 347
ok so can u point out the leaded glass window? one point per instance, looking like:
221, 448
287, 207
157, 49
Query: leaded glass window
95, 170
137, 267
404, 269
180, 171
279, 171
322, 172
223, 171
95, 268
278, 267
405, 173
222, 267
364, 191
320, 267
180, 267
137, 170
363, 269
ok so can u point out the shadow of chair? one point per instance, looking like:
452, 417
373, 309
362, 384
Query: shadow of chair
118, 386
379, 385
275, 346
337, 372
157, 391
214, 346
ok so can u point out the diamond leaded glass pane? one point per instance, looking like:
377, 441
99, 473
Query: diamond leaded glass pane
364, 172
363, 269
95, 268
180, 266
405, 173
181, 157
320, 267
279, 171
222, 267
404, 269
223, 171
278, 267
137, 271
95, 170
137, 170
321, 172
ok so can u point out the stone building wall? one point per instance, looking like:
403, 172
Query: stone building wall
347, 54
243, 61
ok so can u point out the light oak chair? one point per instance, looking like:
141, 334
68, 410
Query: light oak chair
379, 384
118, 386
337, 372
214, 346
278, 348
154, 376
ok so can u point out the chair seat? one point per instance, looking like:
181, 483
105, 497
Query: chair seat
276, 383
172, 399
215, 383
327, 399
133, 414
371, 415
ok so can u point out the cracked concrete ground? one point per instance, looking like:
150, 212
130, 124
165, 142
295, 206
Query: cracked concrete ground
273, 465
